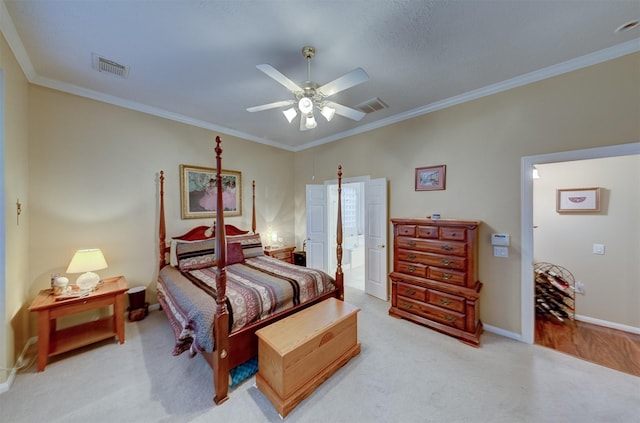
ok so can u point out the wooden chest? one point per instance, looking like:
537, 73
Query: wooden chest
298, 353
434, 279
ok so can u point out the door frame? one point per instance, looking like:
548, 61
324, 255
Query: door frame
527, 319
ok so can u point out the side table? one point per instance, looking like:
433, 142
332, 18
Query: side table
284, 253
49, 308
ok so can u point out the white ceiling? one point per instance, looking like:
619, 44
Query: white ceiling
195, 60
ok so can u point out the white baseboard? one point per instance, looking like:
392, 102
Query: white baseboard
607, 324
502, 332
5, 386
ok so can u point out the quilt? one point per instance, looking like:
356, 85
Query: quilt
256, 288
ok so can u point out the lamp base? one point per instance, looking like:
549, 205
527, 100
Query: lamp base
88, 280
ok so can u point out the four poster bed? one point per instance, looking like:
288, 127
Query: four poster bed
215, 310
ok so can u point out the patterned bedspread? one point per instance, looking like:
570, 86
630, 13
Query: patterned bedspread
256, 288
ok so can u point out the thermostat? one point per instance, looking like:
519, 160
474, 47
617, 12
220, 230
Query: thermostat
500, 239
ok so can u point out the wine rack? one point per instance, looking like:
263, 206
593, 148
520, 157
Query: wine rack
555, 292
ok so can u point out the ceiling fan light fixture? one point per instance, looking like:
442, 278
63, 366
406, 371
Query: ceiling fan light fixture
328, 112
305, 105
290, 114
310, 123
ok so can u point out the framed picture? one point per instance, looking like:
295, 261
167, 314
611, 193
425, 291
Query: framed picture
430, 178
578, 200
198, 192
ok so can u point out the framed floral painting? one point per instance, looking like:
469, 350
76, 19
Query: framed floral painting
198, 192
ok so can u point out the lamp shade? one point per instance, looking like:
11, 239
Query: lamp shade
290, 114
87, 261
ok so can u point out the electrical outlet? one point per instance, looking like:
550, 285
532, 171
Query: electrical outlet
579, 288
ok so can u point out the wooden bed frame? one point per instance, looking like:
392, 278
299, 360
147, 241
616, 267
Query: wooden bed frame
233, 349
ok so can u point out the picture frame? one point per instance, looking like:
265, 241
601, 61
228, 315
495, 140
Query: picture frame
578, 200
198, 192
431, 178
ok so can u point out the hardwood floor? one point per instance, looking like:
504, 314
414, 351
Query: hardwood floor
608, 347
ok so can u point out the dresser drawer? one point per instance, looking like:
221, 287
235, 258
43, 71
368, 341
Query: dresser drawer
447, 275
412, 269
455, 234
407, 230
445, 262
433, 246
447, 317
412, 291
427, 232
449, 301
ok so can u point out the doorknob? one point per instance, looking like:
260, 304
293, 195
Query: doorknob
380, 245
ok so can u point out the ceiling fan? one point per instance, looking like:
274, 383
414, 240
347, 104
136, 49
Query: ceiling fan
309, 96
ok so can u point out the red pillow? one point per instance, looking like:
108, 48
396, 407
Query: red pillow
234, 253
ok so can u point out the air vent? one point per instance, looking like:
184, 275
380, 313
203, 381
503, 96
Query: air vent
372, 105
109, 66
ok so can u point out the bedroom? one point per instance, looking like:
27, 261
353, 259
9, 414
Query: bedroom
85, 173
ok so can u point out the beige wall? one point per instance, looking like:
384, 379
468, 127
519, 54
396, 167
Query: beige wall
482, 143
94, 170
612, 291
93, 173
14, 333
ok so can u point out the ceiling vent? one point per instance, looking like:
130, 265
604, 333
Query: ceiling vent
109, 66
372, 105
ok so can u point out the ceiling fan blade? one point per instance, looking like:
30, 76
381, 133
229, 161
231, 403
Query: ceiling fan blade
270, 106
345, 111
279, 77
348, 80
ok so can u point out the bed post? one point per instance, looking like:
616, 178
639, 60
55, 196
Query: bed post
339, 275
253, 211
221, 318
162, 231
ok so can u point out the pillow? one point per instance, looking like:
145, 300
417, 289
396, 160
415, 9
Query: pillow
234, 253
196, 255
251, 244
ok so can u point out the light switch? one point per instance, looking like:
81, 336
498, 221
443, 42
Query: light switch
500, 251
598, 249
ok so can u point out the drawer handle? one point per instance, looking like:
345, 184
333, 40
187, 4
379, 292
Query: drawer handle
447, 247
445, 301
449, 319
446, 262
406, 305
410, 292
411, 269
411, 243
411, 256
446, 276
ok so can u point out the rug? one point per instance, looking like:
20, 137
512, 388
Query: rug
243, 372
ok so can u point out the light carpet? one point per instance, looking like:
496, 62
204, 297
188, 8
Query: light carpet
405, 373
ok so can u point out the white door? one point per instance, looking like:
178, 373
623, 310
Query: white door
375, 238
316, 204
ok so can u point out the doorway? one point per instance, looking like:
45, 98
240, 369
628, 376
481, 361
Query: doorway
364, 231
527, 222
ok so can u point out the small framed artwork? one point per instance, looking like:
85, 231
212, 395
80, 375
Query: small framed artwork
430, 178
198, 192
578, 200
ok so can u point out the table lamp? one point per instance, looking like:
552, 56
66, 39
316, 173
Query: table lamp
85, 262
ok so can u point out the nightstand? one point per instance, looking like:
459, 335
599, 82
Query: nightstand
284, 253
49, 307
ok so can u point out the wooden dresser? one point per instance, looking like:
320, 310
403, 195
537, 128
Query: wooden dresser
434, 279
